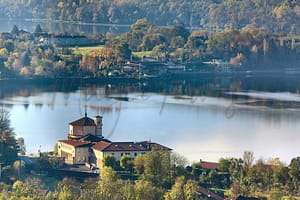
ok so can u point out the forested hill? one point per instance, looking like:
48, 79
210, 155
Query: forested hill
280, 16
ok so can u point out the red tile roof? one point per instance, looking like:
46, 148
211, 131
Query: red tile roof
85, 121
116, 146
158, 146
101, 145
76, 143
127, 146
208, 165
120, 146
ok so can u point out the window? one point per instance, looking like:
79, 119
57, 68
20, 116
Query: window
135, 154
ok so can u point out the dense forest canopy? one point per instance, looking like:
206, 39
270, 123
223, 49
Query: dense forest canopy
280, 16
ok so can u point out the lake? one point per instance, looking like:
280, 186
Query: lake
201, 118
71, 27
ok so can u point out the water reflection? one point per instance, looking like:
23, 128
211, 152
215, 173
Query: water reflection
241, 92
201, 118
71, 27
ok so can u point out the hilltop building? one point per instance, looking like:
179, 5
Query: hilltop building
86, 144
85, 126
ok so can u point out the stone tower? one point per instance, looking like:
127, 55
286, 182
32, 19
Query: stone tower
98, 128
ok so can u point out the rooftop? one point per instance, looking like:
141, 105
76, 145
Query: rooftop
84, 121
76, 143
128, 146
106, 145
92, 138
208, 165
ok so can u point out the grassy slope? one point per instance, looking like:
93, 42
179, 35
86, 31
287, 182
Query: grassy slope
85, 50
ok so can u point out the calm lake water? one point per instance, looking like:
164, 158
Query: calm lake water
203, 118
72, 27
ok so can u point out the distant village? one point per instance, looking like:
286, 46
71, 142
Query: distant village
52, 55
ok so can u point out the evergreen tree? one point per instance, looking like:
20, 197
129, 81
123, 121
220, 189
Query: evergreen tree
38, 29
8, 152
15, 30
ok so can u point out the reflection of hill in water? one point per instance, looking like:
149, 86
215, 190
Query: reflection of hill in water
225, 87
102, 109
62, 27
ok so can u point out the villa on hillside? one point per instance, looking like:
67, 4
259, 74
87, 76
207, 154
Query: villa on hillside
86, 144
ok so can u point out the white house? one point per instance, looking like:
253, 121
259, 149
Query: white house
85, 144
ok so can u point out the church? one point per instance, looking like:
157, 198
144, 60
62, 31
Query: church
86, 144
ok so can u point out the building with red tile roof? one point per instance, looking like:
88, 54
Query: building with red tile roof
83, 146
208, 165
85, 126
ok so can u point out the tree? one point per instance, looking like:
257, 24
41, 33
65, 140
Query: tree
136, 33
121, 49
20, 189
9, 45
109, 185
160, 50
178, 164
146, 190
109, 161
224, 165
157, 167
126, 163
66, 193
191, 190
139, 164
15, 30
19, 166
38, 29
177, 191
128, 191
8, 151
258, 177
26, 59
151, 40
5, 122
178, 160
294, 172
248, 159
68, 189
35, 185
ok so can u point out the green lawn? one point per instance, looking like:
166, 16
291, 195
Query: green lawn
85, 50
142, 53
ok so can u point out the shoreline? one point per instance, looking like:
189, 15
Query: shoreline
170, 76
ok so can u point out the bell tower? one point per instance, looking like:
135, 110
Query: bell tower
98, 128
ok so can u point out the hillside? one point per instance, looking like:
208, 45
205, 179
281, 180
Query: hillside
279, 16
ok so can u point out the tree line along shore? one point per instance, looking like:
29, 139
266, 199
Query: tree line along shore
144, 50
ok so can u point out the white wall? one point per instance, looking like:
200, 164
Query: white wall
117, 154
72, 155
66, 151
82, 155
